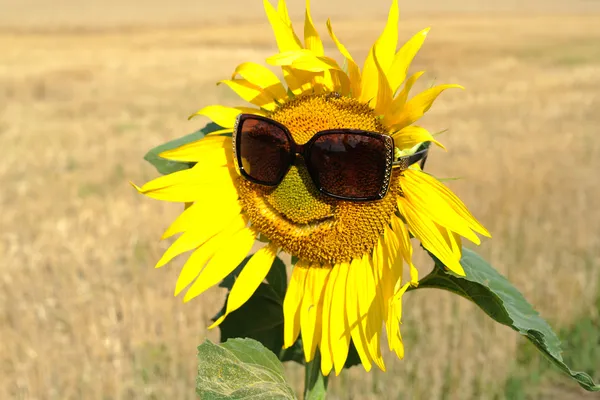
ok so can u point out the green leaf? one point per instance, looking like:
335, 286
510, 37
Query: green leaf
166, 166
495, 295
239, 369
277, 277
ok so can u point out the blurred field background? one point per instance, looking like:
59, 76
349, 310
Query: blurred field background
86, 88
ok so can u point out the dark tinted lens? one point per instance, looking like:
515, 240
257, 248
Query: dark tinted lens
264, 151
349, 165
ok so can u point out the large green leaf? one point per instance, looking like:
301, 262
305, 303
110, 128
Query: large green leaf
240, 369
166, 166
495, 295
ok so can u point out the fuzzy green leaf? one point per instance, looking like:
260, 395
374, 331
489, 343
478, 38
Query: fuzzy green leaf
240, 369
495, 295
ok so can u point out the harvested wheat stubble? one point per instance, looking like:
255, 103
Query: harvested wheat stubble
84, 315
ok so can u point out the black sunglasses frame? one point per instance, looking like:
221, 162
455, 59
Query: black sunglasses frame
304, 150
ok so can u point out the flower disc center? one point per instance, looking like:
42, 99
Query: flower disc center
295, 214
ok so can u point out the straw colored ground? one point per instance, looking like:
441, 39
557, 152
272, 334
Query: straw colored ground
84, 315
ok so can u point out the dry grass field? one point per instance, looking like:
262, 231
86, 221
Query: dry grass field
85, 92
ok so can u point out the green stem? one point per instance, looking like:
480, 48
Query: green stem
315, 384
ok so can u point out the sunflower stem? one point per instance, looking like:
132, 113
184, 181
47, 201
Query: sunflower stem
315, 384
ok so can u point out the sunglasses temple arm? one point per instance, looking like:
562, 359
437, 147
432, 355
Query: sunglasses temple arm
407, 161
423, 162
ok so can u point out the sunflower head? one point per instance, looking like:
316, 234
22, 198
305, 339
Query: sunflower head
347, 283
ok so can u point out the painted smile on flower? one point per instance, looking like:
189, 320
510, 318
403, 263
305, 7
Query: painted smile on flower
312, 174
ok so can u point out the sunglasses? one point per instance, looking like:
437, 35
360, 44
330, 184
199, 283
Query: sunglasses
346, 164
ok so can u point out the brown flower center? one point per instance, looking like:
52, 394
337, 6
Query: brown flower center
295, 215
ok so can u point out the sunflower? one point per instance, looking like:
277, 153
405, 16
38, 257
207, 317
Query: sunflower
347, 283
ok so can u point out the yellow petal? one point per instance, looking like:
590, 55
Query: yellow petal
395, 319
410, 136
284, 33
390, 278
326, 345
207, 210
186, 242
327, 81
339, 332
384, 91
226, 259
416, 107
399, 101
381, 264
200, 149
384, 50
285, 17
200, 256
319, 292
226, 130
450, 198
224, 116
383, 283
262, 77
429, 202
299, 82
352, 311
283, 13
307, 311
404, 58
425, 230
401, 98
353, 70
452, 239
292, 302
188, 185
304, 60
251, 276
340, 82
312, 41
405, 248
369, 80
391, 261
204, 158
439, 212
251, 93
286, 58
312, 309
315, 64
385, 46
318, 83
207, 223
371, 308
342, 49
